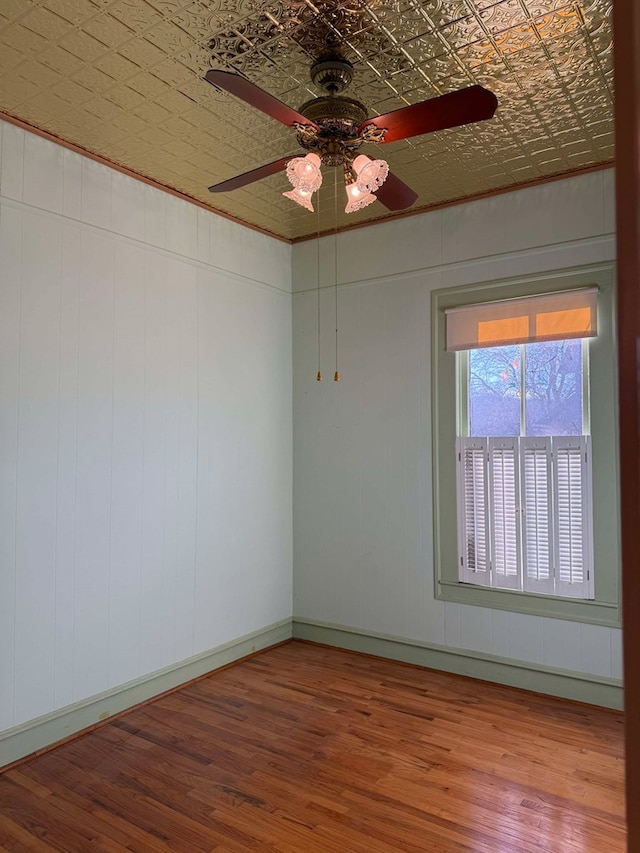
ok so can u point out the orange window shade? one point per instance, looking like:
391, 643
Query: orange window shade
494, 333
575, 322
544, 317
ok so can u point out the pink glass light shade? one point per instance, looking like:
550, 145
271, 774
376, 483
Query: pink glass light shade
356, 199
304, 172
301, 197
371, 174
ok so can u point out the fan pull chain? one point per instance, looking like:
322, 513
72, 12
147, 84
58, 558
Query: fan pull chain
336, 375
319, 373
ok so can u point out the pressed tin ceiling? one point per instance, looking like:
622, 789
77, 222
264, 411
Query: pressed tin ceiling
123, 79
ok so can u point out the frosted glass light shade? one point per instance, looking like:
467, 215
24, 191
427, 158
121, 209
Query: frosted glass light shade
356, 199
304, 172
301, 197
371, 173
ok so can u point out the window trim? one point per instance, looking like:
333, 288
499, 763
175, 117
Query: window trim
604, 609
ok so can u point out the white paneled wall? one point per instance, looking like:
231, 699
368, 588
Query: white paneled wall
145, 429
145, 424
363, 545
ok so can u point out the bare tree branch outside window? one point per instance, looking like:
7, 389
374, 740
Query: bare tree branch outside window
553, 389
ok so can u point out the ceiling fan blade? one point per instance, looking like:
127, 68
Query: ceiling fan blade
249, 177
256, 97
395, 194
457, 108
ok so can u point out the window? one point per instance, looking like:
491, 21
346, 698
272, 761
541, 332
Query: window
524, 468
586, 400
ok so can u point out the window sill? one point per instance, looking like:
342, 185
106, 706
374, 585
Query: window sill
555, 607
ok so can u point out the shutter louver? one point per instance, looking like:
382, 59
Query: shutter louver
504, 512
572, 530
524, 509
473, 510
537, 515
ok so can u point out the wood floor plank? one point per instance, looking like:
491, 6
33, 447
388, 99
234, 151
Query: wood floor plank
305, 749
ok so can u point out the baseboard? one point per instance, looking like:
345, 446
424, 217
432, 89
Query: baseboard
40, 733
577, 686
36, 735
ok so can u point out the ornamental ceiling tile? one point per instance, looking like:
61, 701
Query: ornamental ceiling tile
124, 79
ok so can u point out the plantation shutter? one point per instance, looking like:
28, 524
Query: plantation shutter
473, 510
573, 545
504, 509
537, 515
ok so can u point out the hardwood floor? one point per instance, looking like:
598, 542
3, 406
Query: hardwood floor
306, 749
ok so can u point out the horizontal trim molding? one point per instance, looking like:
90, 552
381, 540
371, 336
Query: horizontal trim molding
44, 732
10, 118
587, 611
576, 686
548, 255
131, 173
81, 225
38, 734
429, 208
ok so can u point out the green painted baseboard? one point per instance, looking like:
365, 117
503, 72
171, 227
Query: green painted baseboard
23, 740
580, 687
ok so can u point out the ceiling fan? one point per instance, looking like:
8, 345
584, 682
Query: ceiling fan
332, 128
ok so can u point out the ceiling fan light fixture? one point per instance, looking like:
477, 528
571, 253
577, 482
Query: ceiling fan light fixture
356, 199
301, 197
371, 174
336, 126
304, 172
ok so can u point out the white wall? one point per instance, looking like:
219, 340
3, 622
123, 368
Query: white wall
145, 429
145, 425
363, 525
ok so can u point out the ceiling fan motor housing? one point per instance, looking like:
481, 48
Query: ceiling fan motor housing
338, 119
332, 74
346, 113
